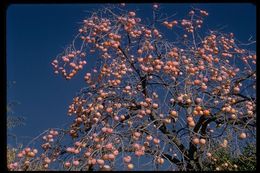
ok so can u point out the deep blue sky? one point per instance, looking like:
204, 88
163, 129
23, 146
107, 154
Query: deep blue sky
37, 33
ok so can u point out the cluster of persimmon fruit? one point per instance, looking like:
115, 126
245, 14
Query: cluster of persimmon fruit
120, 112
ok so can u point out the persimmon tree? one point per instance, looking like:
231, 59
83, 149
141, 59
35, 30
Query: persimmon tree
150, 102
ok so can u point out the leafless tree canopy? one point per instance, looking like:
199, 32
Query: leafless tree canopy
149, 102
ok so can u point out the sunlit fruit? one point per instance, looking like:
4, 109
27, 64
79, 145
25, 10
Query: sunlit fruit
195, 141
242, 135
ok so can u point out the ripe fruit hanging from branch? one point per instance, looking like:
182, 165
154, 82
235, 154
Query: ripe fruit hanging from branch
149, 94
